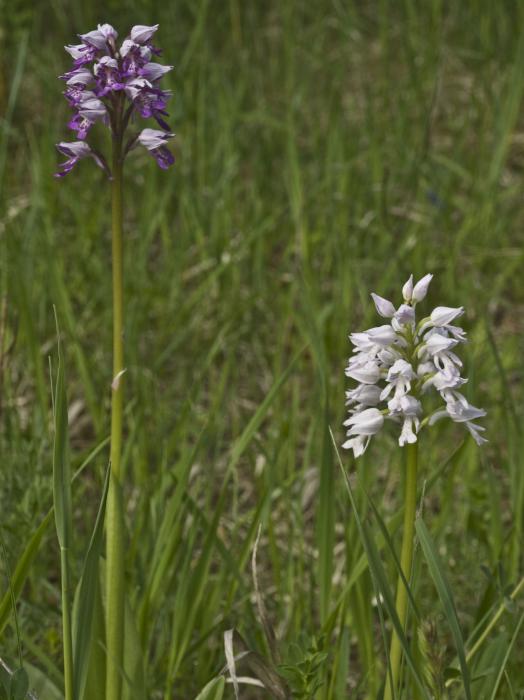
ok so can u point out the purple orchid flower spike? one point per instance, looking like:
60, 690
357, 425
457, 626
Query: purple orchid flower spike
115, 86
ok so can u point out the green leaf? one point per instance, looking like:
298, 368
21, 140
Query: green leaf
85, 600
41, 685
134, 687
61, 466
502, 667
22, 570
446, 597
379, 578
96, 673
19, 684
214, 690
24, 563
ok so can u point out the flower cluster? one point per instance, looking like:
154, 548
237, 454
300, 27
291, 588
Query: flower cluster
396, 364
114, 85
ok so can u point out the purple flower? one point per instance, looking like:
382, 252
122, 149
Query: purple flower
101, 37
108, 77
134, 58
149, 101
78, 76
142, 34
81, 53
154, 71
75, 151
155, 142
116, 86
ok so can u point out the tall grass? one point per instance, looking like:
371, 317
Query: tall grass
324, 149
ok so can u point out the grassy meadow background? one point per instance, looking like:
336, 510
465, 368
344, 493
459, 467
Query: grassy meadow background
324, 150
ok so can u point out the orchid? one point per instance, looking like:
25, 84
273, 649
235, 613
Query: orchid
115, 86
397, 365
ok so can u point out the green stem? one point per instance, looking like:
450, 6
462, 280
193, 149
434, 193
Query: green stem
115, 588
406, 561
66, 626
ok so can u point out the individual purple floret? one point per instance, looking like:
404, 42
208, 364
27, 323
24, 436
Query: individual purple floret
115, 86
155, 142
75, 151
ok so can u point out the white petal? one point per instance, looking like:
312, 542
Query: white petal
405, 314
444, 315
407, 289
384, 307
421, 288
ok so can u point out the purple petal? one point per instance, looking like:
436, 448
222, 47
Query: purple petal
163, 157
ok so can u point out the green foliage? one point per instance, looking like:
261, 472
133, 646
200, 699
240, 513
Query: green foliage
324, 150
305, 668
15, 685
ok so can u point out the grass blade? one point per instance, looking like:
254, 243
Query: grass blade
509, 649
214, 690
379, 578
85, 600
63, 511
446, 597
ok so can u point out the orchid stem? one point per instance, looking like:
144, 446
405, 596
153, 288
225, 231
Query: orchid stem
115, 588
406, 562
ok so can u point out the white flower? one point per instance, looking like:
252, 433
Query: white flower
407, 289
407, 434
382, 335
421, 288
444, 315
367, 422
397, 364
366, 374
364, 394
398, 379
405, 314
460, 410
384, 307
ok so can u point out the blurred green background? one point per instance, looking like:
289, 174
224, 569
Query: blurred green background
324, 150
